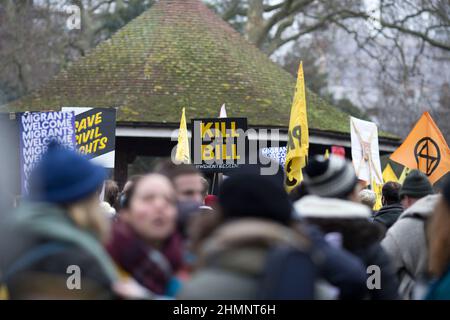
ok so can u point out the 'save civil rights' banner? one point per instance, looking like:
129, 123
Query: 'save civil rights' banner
96, 133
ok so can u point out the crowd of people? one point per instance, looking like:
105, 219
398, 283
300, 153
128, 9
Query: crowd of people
164, 237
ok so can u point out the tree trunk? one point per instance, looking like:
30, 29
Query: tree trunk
254, 29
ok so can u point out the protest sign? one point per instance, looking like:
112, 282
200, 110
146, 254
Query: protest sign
96, 133
425, 149
219, 145
365, 150
275, 153
37, 130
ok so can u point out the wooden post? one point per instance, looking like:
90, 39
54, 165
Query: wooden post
121, 167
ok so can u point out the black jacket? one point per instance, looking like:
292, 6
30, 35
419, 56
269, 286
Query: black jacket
388, 214
361, 237
338, 266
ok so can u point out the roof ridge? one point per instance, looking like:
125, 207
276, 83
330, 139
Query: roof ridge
179, 53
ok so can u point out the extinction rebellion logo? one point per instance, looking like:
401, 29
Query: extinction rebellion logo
427, 150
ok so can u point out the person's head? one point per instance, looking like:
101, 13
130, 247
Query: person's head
188, 181
111, 192
149, 208
415, 187
131, 181
367, 197
298, 192
390, 193
349, 219
439, 234
331, 178
69, 180
249, 195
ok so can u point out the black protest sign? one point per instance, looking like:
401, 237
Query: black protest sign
96, 133
219, 144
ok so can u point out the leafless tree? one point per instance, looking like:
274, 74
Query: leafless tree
272, 24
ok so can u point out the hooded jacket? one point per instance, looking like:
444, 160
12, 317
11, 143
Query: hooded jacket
359, 236
232, 260
387, 215
406, 243
46, 243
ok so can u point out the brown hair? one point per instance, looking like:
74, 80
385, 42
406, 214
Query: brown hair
172, 170
111, 192
439, 239
127, 194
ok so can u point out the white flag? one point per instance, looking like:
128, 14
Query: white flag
223, 112
365, 150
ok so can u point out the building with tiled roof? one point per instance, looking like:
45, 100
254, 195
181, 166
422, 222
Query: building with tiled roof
181, 54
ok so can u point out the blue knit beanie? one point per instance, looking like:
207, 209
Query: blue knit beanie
64, 176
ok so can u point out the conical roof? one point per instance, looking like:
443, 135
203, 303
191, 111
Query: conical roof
180, 54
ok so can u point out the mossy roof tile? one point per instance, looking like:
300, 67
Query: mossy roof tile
180, 54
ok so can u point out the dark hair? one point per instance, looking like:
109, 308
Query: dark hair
391, 192
111, 192
126, 195
446, 190
298, 192
171, 170
250, 195
135, 178
357, 233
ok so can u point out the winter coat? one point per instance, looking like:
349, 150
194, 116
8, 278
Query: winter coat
152, 268
48, 249
406, 244
337, 266
387, 215
232, 261
440, 290
359, 236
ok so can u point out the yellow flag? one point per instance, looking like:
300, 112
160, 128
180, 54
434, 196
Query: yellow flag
327, 154
389, 174
183, 155
298, 139
404, 174
377, 188
425, 149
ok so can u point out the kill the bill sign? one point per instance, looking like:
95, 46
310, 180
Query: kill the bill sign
219, 144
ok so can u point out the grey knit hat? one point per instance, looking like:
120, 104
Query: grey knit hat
332, 178
416, 185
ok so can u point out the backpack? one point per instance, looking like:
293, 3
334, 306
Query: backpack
289, 274
26, 260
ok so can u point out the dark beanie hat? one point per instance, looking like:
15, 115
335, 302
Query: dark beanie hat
250, 195
416, 185
64, 176
331, 178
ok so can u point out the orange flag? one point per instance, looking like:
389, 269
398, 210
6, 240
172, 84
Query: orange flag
425, 149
